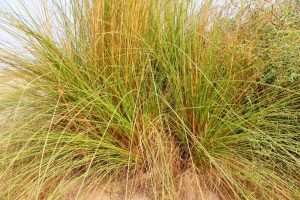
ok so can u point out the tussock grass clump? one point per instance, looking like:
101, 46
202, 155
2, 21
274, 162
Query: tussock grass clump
142, 93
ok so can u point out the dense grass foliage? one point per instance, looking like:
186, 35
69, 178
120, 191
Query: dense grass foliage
142, 91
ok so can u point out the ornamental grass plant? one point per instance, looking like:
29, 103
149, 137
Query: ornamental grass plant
171, 99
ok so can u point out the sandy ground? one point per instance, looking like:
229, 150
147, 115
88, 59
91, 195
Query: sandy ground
187, 183
190, 194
